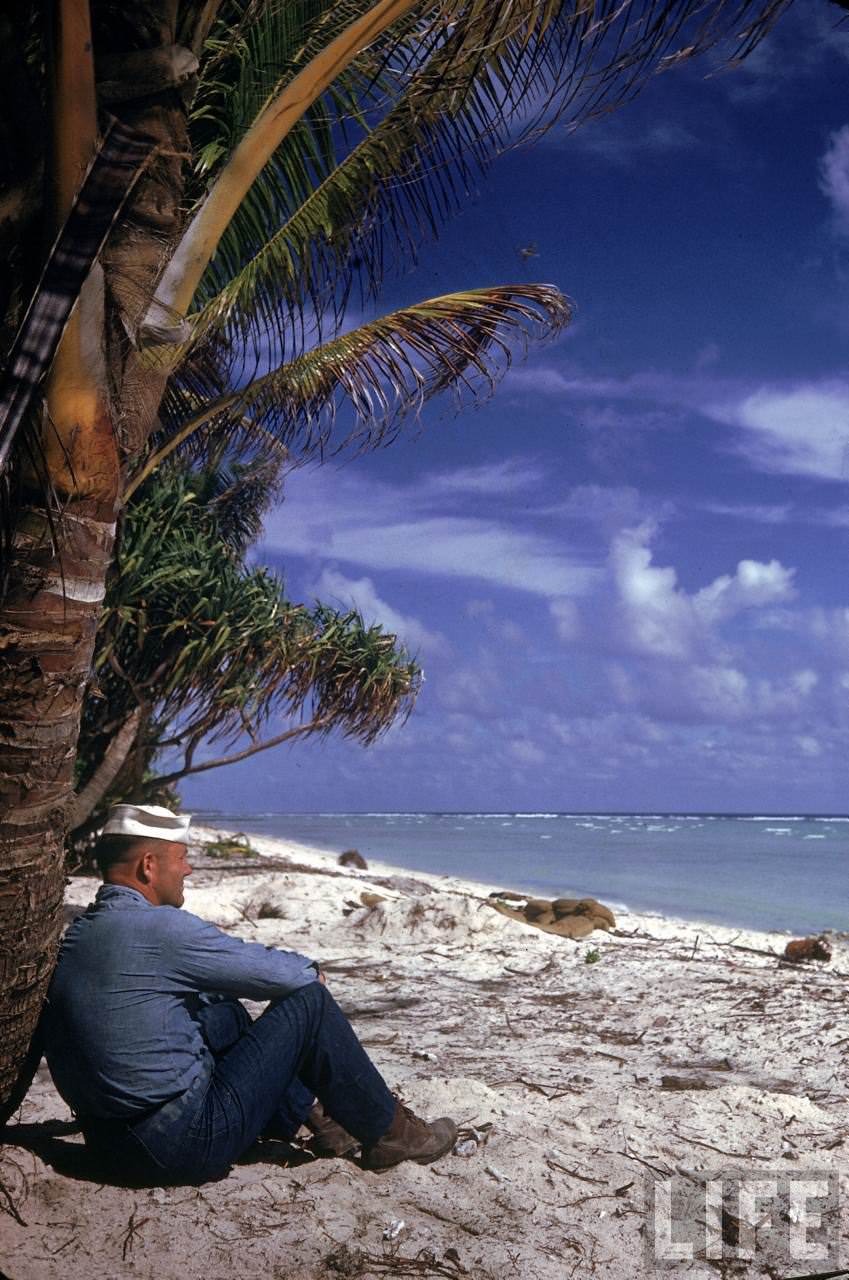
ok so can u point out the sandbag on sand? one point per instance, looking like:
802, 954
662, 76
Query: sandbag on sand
569, 917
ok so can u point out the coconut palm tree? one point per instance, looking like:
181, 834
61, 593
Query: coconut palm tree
216, 178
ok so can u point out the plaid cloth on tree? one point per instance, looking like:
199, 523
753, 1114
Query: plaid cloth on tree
111, 176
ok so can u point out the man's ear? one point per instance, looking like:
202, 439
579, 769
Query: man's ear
146, 866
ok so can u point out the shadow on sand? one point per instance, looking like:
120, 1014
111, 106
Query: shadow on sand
53, 1142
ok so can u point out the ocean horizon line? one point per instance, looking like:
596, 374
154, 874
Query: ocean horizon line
744, 815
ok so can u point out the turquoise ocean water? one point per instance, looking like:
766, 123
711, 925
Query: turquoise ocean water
755, 871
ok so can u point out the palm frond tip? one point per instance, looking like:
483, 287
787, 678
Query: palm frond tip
385, 371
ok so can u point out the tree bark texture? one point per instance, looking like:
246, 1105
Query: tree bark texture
49, 616
47, 639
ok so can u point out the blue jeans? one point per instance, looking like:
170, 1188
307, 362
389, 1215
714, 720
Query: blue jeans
266, 1075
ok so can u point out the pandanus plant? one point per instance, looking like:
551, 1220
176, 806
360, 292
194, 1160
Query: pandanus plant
201, 660
217, 178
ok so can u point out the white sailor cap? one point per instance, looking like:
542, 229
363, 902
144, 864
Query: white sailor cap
149, 820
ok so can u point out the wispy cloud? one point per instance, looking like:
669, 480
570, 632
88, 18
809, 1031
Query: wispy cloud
792, 429
652, 386
608, 506
784, 513
801, 430
834, 177
509, 475
361, 593
347, 518
758, 513
621, 142
807, 41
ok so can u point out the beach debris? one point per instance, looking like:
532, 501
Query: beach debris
425, 1055
703, 1064
587, 907
393, 1230
133, 1229
496, 1174
687, 1082
268, 908
568, 917
371, 900
352, 858
347, 1261
802, 949
14, 1186
236, 846
470, 1139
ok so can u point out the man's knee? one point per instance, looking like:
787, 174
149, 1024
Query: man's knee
315, 994
313, 998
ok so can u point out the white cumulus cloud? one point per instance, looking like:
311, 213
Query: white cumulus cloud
662, 619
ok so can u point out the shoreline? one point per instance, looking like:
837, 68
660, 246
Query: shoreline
581, 1072
725, 874
279, 846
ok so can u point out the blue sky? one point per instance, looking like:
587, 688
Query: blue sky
625, 574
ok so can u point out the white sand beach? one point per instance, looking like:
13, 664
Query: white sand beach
582, 1072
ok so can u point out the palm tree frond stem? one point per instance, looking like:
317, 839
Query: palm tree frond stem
200, 240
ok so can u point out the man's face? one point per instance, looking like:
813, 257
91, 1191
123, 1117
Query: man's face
168, 869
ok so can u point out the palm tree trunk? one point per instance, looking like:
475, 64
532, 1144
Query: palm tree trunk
57, 578
47, 641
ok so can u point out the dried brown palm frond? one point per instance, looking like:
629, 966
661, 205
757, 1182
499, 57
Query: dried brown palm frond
383, 372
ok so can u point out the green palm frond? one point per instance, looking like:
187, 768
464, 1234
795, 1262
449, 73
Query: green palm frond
252, 52
333, 206
382, 372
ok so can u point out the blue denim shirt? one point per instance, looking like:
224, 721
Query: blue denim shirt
121, 1035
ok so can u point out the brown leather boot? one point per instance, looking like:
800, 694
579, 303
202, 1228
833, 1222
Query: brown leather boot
409, 1138
329, 1138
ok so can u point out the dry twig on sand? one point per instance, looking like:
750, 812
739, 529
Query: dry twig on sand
356, 1262
133, 1228
8, 1201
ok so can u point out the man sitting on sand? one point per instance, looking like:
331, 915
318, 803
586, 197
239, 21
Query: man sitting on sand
149, 1046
